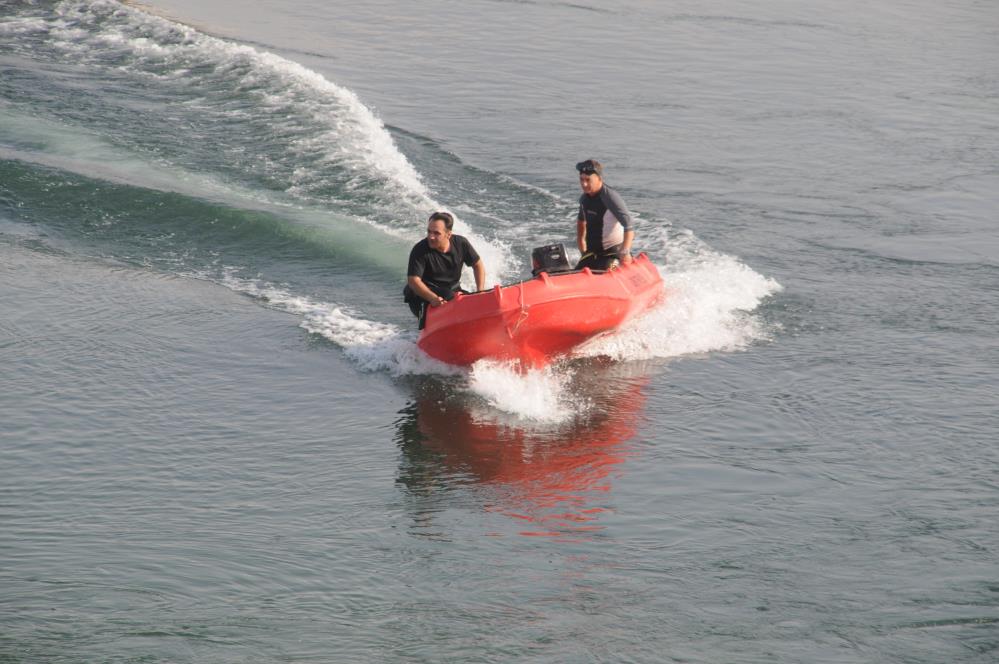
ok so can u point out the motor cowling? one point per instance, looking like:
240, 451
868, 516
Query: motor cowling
550, 258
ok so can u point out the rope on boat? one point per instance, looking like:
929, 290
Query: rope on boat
523, 312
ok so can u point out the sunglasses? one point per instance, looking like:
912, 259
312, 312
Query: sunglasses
586, 168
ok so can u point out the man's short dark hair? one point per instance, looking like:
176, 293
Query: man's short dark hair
443, 216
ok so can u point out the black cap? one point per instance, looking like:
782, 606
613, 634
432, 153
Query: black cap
590, 166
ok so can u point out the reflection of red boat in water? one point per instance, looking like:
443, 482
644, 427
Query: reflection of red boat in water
552, 480
537, 319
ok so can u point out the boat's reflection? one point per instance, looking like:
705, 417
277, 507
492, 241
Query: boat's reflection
554, 480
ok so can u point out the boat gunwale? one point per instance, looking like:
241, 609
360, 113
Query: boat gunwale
499, 312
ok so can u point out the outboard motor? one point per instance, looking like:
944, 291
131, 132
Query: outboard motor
549, 258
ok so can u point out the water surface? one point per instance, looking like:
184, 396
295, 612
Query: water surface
220, 443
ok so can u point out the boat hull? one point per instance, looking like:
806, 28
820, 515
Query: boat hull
536, 320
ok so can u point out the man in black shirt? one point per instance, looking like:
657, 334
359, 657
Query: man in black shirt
435, 263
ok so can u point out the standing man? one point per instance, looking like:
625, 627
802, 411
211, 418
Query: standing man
604, 228
435, 263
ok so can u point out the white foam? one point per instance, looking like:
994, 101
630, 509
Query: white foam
708, 304
540, 395
372, 345
355, 136
23, 26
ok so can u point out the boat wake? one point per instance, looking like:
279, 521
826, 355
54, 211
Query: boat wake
311, 195
708, 306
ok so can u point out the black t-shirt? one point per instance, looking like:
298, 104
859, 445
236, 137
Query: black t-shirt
440, 269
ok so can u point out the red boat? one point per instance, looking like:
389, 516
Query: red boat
535, 320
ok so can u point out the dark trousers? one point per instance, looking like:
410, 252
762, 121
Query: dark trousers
605, 259
419, 306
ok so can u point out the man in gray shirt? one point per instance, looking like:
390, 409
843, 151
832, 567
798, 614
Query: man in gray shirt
604, 227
